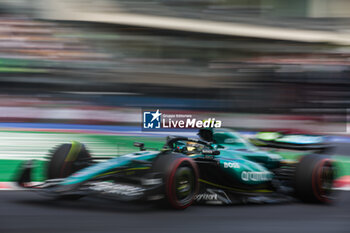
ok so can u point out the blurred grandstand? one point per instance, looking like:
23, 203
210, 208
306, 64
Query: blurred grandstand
291, 59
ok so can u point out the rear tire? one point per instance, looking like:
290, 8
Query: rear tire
180, 175
314, 179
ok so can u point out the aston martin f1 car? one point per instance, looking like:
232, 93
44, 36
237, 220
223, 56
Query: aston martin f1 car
292, 141
219, 167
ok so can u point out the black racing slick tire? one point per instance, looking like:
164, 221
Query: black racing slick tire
67, 159
314, 179
180, 175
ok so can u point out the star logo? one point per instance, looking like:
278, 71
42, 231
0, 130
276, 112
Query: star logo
151, 120
156, 115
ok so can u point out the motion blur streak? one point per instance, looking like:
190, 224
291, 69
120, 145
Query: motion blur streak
58, 64
84, 70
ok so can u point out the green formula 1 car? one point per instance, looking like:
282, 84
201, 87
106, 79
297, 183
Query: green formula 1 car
219, 167
293, 141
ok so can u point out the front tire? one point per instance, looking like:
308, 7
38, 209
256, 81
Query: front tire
180, 175
65, 160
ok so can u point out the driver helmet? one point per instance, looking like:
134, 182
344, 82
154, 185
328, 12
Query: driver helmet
206, 134
191, 147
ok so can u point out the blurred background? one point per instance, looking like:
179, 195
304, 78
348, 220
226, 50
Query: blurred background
254, 64
84, 70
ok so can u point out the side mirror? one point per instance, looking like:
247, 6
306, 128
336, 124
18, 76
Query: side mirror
140, 145
210, 152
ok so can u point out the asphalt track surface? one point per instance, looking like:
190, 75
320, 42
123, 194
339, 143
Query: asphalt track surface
22, 211
28, 212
